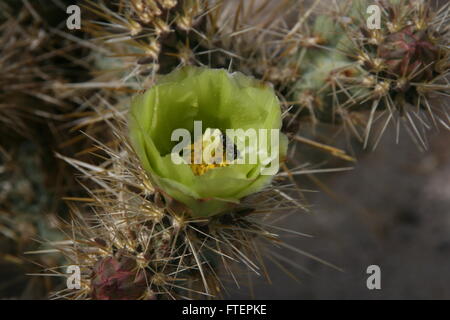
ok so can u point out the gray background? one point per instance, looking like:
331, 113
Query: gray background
393, 211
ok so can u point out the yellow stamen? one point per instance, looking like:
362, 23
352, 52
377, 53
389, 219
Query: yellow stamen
213, 161
200, 169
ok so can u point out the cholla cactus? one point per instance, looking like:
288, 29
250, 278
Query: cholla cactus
395, 71
405, 65
140, 245
152, 37
18, 61
31, 52
25, 200
154, 231
136, 31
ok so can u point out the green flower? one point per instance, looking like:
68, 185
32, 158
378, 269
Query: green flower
221, 101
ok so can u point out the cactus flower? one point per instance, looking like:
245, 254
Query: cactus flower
219, 101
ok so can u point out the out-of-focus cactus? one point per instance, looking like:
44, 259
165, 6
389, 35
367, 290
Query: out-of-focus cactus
178, 252
393, 72
30, 61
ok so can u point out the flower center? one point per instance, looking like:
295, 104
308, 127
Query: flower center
202, 168
210, 152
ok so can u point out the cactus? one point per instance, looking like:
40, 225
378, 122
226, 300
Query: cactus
394, 72
143, 228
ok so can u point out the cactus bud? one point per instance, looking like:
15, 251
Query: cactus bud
118, 278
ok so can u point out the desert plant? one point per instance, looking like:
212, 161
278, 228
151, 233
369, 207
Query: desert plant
145, 228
